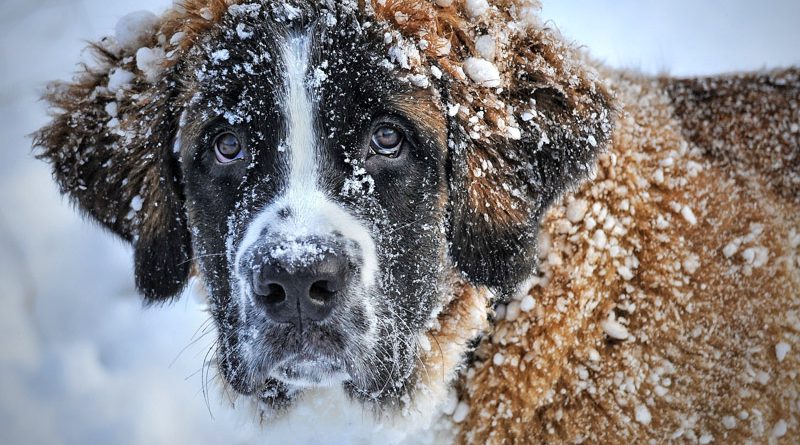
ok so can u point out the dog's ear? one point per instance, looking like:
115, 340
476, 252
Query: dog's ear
545, 128
110, 145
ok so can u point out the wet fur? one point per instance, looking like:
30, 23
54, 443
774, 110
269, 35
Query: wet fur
492, 232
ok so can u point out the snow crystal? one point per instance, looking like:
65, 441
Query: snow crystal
658, 176
729, 422
691, 264
298, 252
436, 72
482, 72
527, 303
477, 8
756, 256
705, 439
118, 79
625, 272
452, 110
320, 76
643, 415
150, 62
136, 203
577, 210
419, 80
781, 349
512, 310
614, 329
242, 32
250, 10
177, 38
688, 215
220, 56
779, 430
498, 359
731, 249
444, 3
135, 30
112, 109
460, 414
486, 47
600, 240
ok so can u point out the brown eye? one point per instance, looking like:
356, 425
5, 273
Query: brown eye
227, 148
387, 141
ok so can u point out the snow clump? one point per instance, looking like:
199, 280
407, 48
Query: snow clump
135, 30
477, 8
781, 349
119, 79
482, 72
486, 47
150, 61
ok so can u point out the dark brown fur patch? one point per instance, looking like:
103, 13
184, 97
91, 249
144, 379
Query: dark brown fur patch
751, 121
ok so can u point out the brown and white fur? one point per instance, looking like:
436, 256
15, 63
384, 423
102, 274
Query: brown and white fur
666, 302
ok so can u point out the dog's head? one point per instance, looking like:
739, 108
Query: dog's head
336, 172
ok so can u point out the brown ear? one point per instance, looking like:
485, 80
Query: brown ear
547, 125
110, 145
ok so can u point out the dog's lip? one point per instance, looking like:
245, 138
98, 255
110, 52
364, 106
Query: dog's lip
310, 369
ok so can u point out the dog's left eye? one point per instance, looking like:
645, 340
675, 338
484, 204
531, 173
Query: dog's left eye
387, 141
227, 148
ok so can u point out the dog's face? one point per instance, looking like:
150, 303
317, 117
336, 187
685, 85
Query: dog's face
330, 198
316, 188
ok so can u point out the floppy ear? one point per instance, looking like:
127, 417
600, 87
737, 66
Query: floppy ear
110, 146
549, 122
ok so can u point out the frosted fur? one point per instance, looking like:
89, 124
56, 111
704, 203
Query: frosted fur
630, 262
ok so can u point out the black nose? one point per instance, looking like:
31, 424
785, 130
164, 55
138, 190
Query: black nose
293, 289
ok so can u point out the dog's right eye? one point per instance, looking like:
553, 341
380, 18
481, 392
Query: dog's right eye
228, 148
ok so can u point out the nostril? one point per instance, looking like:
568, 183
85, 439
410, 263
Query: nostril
322, 291
275, 294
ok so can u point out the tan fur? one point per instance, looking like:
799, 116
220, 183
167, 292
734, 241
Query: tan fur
703, 327
702, 342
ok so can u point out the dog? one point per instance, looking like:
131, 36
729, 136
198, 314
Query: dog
441, 220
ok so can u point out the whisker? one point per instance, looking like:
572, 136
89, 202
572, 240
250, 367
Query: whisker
192, 340
408, 224
199, 257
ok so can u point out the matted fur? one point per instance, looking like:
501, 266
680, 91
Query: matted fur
700, 358
666, 281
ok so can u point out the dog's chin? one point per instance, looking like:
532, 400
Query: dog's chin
303, 371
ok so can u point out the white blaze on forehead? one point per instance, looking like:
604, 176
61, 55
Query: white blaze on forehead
311, 212
301, 140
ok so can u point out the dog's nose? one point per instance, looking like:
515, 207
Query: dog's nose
291, 289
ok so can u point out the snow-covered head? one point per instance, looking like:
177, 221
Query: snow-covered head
346, 177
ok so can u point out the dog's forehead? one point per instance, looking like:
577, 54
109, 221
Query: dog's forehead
240, 74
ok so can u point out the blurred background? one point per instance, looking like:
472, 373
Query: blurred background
81, 362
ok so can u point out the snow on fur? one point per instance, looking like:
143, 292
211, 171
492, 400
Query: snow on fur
585, 341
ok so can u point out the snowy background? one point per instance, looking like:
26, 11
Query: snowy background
80, 361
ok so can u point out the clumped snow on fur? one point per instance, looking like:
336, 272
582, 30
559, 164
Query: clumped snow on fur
606, 231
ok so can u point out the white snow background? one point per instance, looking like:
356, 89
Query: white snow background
81, 362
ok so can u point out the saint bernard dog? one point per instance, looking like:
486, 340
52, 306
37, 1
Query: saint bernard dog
440, 222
